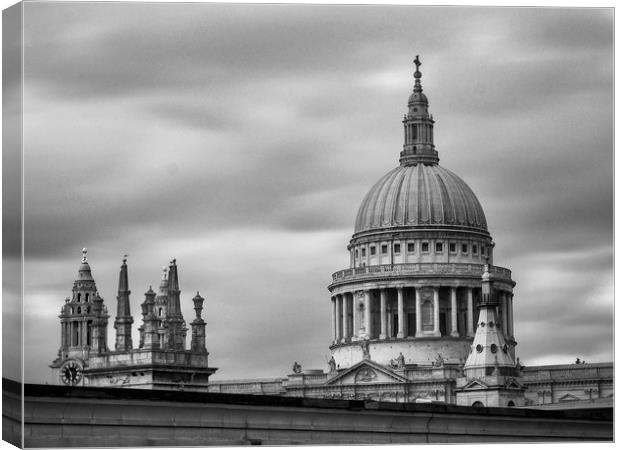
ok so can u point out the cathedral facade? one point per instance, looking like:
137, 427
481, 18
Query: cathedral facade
161, 359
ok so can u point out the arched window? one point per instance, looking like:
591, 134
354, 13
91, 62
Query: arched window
76, 335
427, 315
511, 404
86, 297
160, 310
79, 310
478, 405
79, 297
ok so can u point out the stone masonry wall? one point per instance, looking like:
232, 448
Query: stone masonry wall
65, 417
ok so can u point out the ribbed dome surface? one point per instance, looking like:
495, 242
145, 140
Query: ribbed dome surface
420, 195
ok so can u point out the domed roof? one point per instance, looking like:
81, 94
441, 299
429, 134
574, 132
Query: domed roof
417, 97
84, 272
420, 196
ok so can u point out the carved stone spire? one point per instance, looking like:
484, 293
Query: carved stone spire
124, 320
174, 318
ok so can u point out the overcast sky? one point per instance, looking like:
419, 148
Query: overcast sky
241, 139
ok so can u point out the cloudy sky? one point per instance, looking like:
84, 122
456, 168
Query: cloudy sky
241, 139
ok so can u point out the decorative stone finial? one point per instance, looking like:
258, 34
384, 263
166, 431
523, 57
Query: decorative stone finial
84, 251
164, 275
417, 75
125, 259
417, 63
198, 301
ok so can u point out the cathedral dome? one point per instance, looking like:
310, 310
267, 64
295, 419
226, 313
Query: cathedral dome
420, 196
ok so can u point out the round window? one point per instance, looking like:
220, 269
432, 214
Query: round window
482, 324
491, 324
479, 348
493, 348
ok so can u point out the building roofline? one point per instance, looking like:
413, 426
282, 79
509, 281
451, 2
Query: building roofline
177, 396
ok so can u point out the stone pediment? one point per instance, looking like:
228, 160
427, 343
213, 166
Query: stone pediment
475, 384
568, 398
366, 372
511, 383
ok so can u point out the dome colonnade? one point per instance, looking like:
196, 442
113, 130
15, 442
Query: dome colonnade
417, 255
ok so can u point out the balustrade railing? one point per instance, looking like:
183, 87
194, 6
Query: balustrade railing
420, 268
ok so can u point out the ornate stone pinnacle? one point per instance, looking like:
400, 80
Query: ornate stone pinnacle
84, 251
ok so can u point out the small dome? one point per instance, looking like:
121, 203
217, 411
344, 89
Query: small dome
420, 196
418, 97
84, 272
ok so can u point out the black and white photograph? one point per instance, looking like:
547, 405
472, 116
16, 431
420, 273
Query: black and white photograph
306, 224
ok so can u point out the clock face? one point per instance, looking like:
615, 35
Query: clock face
71, 372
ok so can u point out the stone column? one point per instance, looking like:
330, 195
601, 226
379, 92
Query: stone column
345, 318
504, 312
470, 312
334, 312
356, 325
510, 317
455, 331
436, 331
418, 313
401, 313
338, 318
367, 321
383, 332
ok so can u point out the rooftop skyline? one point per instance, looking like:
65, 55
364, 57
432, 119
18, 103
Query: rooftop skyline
241, 140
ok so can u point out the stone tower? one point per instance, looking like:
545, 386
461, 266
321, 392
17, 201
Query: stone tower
491, 375
83, 327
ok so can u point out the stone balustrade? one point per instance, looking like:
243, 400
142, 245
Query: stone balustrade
433, 269
568, 372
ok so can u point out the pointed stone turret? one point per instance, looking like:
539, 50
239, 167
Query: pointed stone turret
198, 327
99, 326
124, 320
491, 377
176, 330
150, 337
418, 123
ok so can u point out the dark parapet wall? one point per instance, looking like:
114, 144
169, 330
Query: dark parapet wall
60, 416
12, 85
